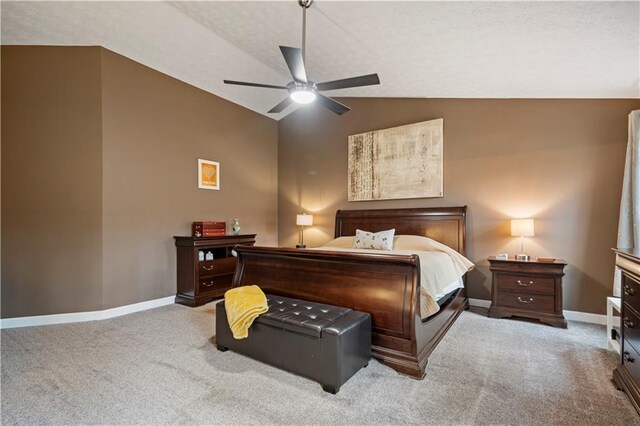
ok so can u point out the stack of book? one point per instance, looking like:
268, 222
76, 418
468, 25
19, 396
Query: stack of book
209, 229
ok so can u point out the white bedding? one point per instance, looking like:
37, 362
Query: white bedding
454, 285
441, 268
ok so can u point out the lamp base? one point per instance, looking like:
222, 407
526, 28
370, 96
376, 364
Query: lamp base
522, 257
300, 246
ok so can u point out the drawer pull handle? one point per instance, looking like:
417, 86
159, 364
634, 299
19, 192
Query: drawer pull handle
210, 284
627, 358
521, 300
627, 323
520, 283
210, 268
628, 290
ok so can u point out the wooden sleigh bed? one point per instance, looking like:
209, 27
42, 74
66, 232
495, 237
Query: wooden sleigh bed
386, 286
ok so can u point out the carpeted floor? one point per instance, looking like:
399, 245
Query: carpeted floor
160, 366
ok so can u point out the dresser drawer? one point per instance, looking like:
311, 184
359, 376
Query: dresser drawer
216, 283
526, 301
217, 266
631, 326
631, 360
526, 283
631, 290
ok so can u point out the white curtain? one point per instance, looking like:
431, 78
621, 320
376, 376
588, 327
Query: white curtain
629, 224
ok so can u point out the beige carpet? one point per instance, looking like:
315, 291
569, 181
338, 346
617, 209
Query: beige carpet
159, 367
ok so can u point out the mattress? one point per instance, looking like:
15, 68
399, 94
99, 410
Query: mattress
441, 268
449, 290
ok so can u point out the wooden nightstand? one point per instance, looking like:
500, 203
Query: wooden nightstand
200, 282
529, 289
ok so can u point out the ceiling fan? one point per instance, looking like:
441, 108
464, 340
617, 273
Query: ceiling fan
301, 89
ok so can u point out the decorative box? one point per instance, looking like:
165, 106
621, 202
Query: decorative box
209, 229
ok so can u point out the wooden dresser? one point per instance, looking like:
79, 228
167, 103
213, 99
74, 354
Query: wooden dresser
200, 282
527, 288
627, 374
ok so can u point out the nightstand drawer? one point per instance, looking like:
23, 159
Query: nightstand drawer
216, 267
526, 301
217, 283
526, 283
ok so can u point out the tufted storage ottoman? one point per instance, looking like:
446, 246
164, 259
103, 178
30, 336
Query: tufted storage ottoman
326, 343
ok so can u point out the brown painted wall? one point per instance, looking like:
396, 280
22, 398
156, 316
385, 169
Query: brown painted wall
99, 168
559, 161
154, 130
99, 171
51, 181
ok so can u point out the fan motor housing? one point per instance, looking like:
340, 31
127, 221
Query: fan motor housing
309, 86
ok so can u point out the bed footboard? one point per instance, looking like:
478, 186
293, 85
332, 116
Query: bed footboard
386, 286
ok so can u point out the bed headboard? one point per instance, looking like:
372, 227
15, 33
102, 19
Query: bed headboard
444, 224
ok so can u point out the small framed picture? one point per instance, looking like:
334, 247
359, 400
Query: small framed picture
208, 174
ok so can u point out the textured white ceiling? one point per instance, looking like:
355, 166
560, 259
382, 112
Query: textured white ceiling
419, 49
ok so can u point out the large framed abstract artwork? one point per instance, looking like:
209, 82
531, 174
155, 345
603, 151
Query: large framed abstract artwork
397, 163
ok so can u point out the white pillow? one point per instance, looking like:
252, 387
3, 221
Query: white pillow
341, 242
415, 242
419, 243
382, 240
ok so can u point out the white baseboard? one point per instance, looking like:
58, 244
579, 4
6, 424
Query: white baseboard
480, 303
85, 316
569, 315
585, 317
150, 304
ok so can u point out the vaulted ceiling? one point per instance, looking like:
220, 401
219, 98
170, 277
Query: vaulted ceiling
420, 49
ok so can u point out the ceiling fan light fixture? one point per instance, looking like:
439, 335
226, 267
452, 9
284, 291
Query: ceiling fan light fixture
303, 96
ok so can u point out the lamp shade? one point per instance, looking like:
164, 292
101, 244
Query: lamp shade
304, 220
522, 228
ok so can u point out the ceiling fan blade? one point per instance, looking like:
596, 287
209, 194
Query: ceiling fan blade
244, 83
293, 58
281, 106
363, 80
331, 104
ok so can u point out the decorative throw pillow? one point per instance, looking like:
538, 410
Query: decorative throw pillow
382, 240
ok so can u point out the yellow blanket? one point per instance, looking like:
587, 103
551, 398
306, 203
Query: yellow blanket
243, 305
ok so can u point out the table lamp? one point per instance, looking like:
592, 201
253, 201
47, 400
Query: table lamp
522, 228
303, 220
